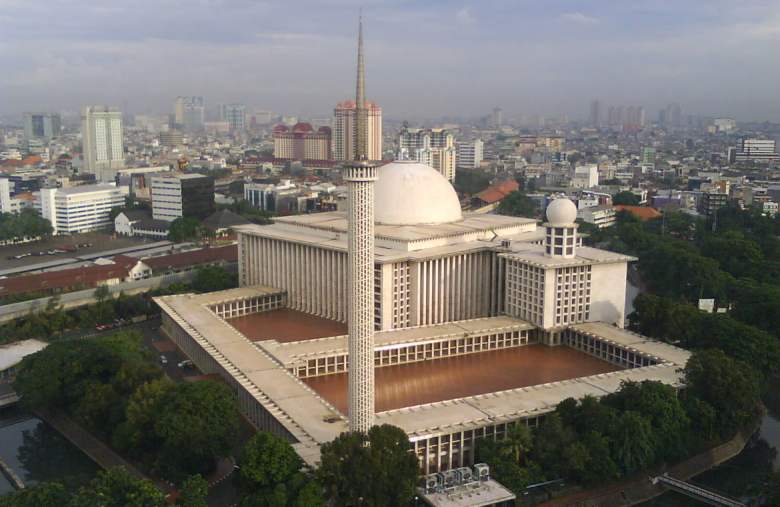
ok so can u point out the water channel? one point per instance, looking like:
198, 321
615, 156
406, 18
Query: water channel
38, 453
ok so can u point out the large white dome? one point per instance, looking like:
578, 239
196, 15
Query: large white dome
411, 193
561, 212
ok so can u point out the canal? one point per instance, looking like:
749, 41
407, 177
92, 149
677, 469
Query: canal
37, 453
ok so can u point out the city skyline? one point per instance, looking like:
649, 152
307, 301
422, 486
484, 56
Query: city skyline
548, 59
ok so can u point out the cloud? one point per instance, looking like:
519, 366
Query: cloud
579, 18
464, 16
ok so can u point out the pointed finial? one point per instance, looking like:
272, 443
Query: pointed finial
361, 123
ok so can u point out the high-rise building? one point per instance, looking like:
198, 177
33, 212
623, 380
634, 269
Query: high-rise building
102, 141
43, 126
80, 209
182, 195
189, 113
498, 117
302, 142
344, 132
234, 115
433, 147
470, 154
595, 113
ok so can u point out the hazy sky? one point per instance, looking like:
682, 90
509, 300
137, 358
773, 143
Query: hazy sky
424, 58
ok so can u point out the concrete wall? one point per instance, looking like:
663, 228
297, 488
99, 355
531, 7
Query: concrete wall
608, 293
75, 299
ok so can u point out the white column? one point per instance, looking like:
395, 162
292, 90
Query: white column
360, 178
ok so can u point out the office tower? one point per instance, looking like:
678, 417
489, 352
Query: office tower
470, 154
302, 142
344, 130
182, 195
498, 117
671, 116
102, 141
45, 126
80, 209
433, 147
189, 113
756, 150
361, 177
595, 113
234, 115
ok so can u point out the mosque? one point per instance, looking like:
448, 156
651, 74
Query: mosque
404, 310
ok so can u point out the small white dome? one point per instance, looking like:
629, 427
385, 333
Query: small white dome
561, 212
411, 193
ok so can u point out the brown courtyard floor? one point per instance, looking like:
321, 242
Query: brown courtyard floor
456, 377
285, 325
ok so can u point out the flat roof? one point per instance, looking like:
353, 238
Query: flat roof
455, 377
286, 325
654, 348
292, 352
535, 255
12, 354
475, 494
313, 420
336, 221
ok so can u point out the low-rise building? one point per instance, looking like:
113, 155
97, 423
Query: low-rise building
600, 216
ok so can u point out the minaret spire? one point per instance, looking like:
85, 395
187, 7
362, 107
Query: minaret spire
360, 176
361, 127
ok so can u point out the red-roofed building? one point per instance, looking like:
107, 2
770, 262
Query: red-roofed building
186, 261
643, 213
494, 193
302, 142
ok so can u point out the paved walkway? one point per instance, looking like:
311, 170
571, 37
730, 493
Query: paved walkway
99, 452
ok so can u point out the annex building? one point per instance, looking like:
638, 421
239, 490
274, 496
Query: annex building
483, 321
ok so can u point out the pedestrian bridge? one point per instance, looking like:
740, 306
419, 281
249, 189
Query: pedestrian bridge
696, 492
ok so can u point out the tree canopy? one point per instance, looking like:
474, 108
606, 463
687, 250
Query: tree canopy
518, 204
382, 473
626, 197
186, 229
27, 223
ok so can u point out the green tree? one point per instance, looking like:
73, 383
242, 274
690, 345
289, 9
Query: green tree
213, 278
382, 473
186, 229
117, 488
47, 494
195, 426
519, 205
632, 442
730, 386
626, 197
193, 492
267, 460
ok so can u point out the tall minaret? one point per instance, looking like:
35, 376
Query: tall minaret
360, 176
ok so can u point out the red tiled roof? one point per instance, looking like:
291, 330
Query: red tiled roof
495, 193
641, 212
193, 258
89, 276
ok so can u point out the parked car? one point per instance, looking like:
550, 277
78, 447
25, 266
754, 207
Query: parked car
163, 360
185, 364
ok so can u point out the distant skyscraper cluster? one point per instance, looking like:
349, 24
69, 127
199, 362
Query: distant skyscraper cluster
671, 116
234, 115
624, 117
345, 130
102, 141
44, 126
189, 113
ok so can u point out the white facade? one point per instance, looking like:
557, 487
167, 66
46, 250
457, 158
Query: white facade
433, 147
7, 204
586, 176
80, 209
470, 154
166, 198
102, 141
600, 216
